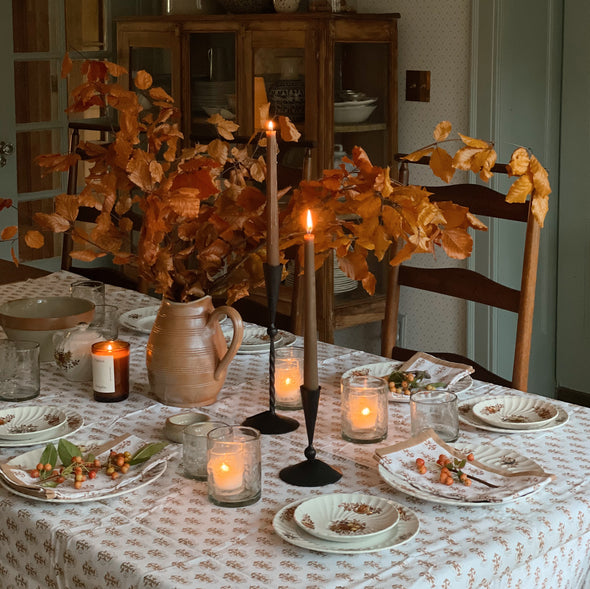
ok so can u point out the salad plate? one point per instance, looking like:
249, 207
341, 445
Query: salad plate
29, 422
286, 527
468, 417
256, 339
72, 423
346, 517
384, 369
515, 412
140, 319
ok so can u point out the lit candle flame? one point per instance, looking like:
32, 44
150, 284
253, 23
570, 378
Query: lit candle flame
309, 222
366, 411
109, 347
270, 126
224, 467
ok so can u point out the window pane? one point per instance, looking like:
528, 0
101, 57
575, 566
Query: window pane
33, 23
85, 25
35, 91
28, 146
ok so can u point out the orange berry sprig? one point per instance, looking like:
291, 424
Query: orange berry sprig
448, 467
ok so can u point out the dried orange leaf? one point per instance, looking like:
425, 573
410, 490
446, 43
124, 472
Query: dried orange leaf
53, 221
288, 130
160, 94
8, 232
224, 128
463, 157
5, 203
441, 163
418, 155
13, 256
519, 162
540, 207
67, 206
66, 65
520, 189
457, 243
86, 255
115, 69
442, 131
143, 80
471, 142
34, 239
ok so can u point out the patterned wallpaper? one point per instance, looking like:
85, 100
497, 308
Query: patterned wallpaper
434, 35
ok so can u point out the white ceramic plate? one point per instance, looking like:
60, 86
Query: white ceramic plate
148, 477
286, 527
346, 517
467, 416
515, 412
256, 339
384, 369
73, 422
488, 455
29, 422
140, 319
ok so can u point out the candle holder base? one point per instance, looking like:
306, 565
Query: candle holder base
310, 473
269, 423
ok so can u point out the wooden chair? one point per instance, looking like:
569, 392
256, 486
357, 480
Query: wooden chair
107, 274
470, 285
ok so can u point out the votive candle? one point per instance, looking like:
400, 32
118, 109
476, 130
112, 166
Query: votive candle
227, 471
363, 412
272, 203
110, 370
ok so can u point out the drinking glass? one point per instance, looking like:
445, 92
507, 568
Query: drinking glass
364, 409
194, 448
435, 410
19, 370
106, 321
92, 290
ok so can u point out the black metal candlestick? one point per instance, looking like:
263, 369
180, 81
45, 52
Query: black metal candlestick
268, 422
311, 472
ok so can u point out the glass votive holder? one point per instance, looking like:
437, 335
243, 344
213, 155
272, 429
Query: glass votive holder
110, 371
19, 370
436, 410
288, 378
92, 290
194, 448
233, 466
364, 409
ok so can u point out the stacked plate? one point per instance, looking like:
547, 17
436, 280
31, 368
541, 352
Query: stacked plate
342, 283
29, 424
512, 414
211, 96
356, 111
346, 523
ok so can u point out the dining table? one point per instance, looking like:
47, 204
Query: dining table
166, 534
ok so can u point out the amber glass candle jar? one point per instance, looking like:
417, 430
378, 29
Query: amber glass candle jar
110, 371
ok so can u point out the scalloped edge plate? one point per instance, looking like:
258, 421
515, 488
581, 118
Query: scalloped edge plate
30, 421
515, 412
346, 517
383, 369
286, 527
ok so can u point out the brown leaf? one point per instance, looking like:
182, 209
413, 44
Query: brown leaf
418, 155
8, 232
56, 162
258, 170
66, 66
53, 222
471, 142
441, 164
457, 243
540, 207
115, 69
519, 162
463, 157
5, 203
288, 130
442, 131
66, 205
143, 80
13, 256
160, 94
34, 239
86, 255
224, 128
520, 189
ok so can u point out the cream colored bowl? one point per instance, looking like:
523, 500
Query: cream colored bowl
39, 319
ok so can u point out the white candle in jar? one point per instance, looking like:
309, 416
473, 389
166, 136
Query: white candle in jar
288, 381
227, 470
363, 412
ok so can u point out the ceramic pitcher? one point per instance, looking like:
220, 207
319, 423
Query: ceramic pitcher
187, 356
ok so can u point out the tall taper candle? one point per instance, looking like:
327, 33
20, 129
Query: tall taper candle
310, 354
272, 204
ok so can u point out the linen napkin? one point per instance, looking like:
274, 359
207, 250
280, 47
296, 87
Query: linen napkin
15, 473
439, 370
490, 484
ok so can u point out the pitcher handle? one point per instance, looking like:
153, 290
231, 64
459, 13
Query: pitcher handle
236, 341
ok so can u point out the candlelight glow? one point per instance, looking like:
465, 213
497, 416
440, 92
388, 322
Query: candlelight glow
270, 126
309, 222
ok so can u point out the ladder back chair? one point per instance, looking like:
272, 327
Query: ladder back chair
468, 284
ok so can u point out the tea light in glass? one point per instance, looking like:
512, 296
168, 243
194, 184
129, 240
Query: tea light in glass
288, 378
364, 409
233, 466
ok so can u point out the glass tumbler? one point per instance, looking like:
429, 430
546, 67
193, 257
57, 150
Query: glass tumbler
364, 409
92, 290
194, 448
435, 410
106, 321
19, 370
233, 466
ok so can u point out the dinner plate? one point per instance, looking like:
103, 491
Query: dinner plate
488, 456
346, 517
142, 319
515, 412
384, 369
29, 422
286, 527
256, 339
467, 416
73, 422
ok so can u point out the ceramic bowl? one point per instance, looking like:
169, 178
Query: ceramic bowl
175, 424
39, 319
353, 112
246, 6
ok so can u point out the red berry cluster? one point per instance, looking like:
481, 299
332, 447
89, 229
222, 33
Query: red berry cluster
448, 467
